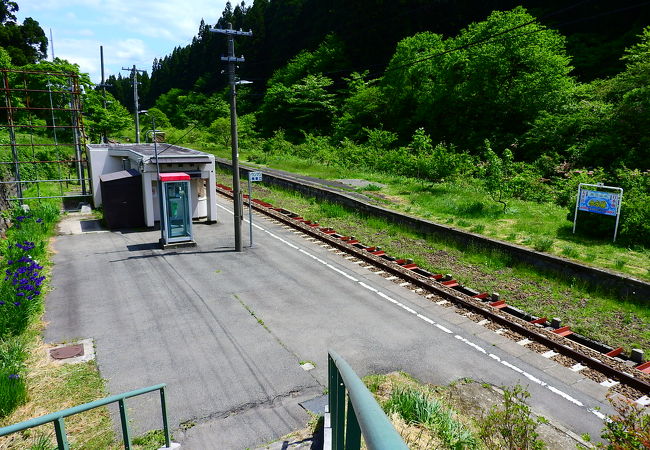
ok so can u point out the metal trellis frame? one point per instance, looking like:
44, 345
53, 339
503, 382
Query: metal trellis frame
42, 138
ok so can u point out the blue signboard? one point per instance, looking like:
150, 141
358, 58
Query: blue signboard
599, 202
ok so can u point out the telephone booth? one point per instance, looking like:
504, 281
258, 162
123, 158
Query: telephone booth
176, 212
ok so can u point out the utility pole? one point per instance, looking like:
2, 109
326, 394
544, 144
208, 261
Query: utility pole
52, 44
232, 61
103, 85
134, 75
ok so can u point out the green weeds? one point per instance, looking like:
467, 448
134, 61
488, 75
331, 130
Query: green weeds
417, 408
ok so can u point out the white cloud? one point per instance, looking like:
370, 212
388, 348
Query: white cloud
128, 49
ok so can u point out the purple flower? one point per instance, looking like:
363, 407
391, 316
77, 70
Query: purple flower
2, 303
14, 376
16, 303
10, 262
39, 220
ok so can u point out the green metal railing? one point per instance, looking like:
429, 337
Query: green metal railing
363, 417
58, 417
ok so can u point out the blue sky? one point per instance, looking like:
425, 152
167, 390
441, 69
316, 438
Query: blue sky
131, 31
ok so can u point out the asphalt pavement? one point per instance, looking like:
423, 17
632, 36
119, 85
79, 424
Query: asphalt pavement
227, 331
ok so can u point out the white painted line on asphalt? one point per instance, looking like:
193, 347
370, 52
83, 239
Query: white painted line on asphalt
471, 344
446, 330
598, 414
370, 288
426, 319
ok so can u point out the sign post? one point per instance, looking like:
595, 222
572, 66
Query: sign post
252, 176
599, 201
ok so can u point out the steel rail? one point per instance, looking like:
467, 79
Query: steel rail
464, 300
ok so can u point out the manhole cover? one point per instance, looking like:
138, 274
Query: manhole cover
71, 351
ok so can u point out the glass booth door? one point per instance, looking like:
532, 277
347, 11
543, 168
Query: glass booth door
176, 208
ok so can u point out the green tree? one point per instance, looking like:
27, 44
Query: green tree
490, 81
220, 131
104, 121
602, 123
26, 43
498, 174
183, 107
304, 106
362, 107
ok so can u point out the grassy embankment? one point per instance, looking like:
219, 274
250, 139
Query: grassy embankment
467, 206
592, 312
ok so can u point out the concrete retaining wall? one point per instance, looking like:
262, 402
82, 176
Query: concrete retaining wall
627, 287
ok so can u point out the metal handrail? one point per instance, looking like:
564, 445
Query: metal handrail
58, 417
367, 418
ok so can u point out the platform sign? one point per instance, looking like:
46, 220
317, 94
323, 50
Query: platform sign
252, 176
599, 199
599, 202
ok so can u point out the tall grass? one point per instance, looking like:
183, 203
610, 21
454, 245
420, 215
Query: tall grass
416, 408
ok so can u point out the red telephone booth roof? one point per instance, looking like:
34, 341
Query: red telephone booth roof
174, 176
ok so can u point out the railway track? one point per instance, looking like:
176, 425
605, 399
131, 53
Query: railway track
601, 363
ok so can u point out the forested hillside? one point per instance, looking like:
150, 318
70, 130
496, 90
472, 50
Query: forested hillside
596, 31
552, 93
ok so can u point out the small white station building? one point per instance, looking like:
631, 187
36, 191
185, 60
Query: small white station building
108, 160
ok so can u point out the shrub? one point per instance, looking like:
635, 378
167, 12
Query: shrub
543, 244
512, 426
629, 428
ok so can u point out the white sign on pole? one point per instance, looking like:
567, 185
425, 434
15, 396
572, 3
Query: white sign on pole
599, 199
252, 176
